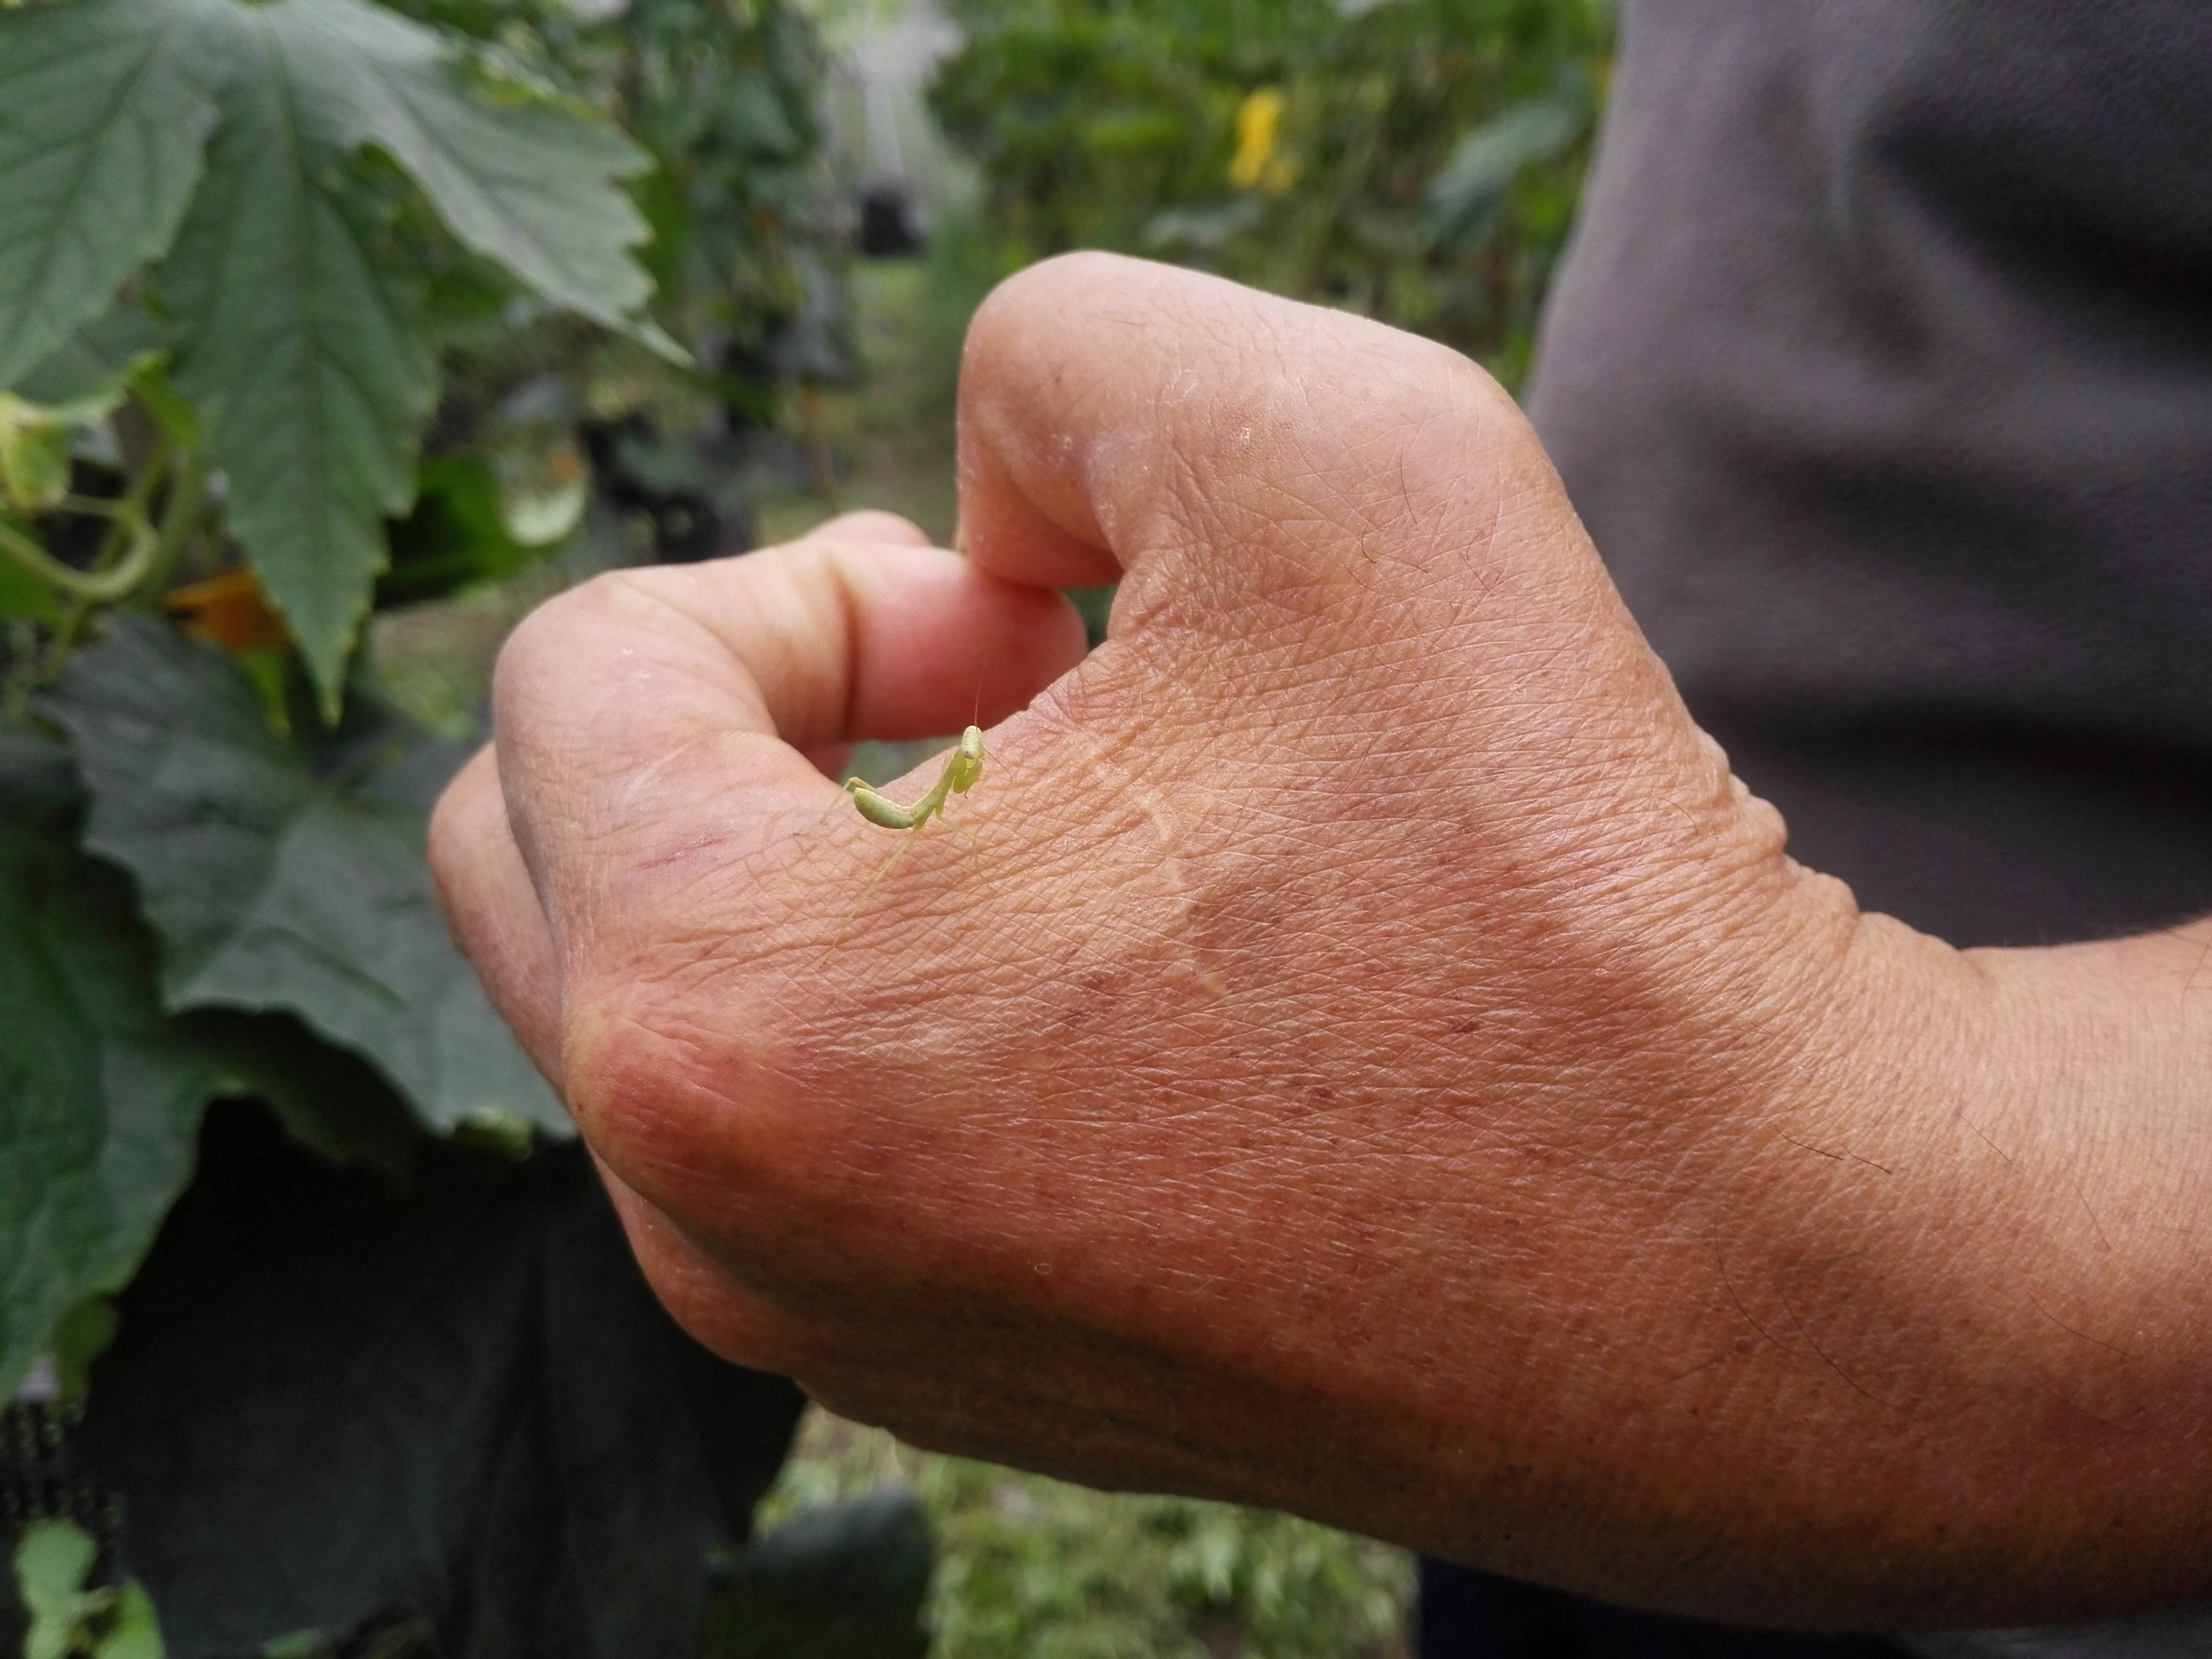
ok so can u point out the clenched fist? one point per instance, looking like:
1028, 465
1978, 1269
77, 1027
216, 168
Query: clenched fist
1373, 1059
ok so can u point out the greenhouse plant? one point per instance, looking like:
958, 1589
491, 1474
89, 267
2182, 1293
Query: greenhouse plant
322, 1335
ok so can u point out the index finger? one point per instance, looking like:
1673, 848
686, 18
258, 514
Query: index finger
652, 720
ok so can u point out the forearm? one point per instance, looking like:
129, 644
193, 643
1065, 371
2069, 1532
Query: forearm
1936, 1346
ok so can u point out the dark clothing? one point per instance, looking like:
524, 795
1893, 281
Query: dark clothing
1478, 1615
1880, 370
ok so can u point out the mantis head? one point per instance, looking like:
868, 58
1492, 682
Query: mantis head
967, 764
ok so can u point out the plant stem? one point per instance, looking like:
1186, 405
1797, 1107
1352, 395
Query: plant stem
126, 521
128, 553
180, 517
86, 588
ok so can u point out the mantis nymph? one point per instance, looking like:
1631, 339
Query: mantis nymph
962, 767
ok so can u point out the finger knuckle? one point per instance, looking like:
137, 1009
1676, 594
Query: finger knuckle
676, 1089
543, 651
455, 838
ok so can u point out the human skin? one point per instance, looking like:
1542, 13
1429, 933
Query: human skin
1375, 1060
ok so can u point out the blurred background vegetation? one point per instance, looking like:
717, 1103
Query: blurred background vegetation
823, 190
1413, 160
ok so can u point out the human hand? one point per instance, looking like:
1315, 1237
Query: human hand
1374, 1061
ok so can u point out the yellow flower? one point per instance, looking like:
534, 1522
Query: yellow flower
1259, 120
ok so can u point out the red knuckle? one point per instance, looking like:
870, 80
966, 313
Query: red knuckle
631, 1086
676, 1090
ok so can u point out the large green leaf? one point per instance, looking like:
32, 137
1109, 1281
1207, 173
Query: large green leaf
97, 361
308, 353
101, 126
305, 349
518, 177
282, 877
100, 1093
307, 361
332, 1404
101, 1090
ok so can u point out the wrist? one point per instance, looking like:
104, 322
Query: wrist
1961, 1257
1911, 1320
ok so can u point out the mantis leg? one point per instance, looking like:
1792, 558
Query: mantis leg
975, 847
897, 853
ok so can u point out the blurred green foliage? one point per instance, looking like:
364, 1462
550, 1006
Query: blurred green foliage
746, 252
1413, 160
313, 314
1032, 1568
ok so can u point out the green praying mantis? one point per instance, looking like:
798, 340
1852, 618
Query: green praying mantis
962, 767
